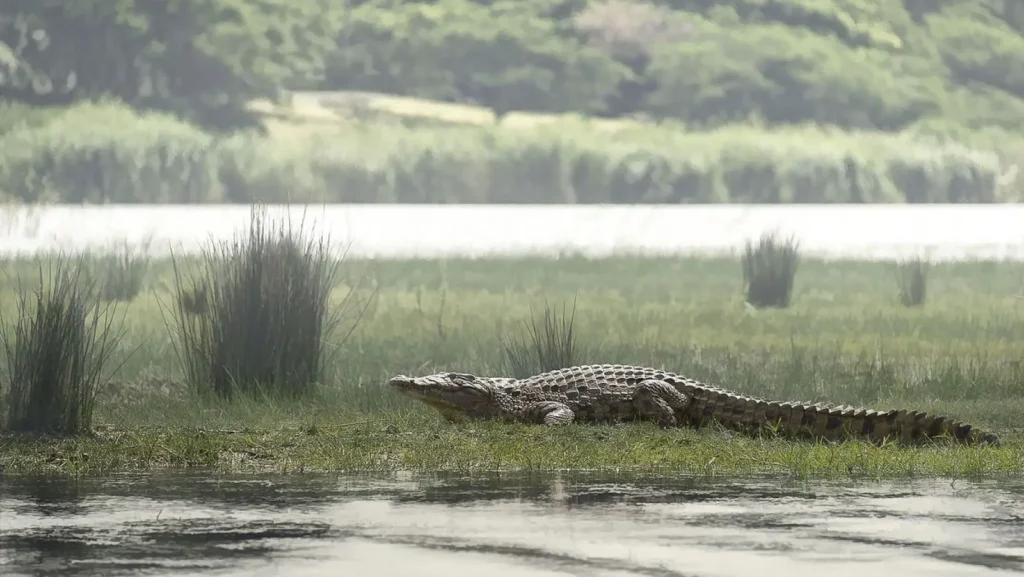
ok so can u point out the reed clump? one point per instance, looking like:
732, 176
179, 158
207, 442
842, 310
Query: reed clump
57, 351
256, 316
550, 344
123, 271
106, 153
769, 269
912, 281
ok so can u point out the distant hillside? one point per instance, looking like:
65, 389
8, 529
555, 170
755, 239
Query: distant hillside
698, 101
870, 64
883, 64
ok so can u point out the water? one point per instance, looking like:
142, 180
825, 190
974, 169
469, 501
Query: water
837, 231
508, 525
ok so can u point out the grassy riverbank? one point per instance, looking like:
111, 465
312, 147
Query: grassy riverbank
845, 338
386, 441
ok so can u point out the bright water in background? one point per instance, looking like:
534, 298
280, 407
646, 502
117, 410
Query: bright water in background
509, 525
861, 231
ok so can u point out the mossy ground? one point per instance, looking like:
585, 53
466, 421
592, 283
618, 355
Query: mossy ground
845, 339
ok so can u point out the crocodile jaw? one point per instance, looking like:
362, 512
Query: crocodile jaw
455, 398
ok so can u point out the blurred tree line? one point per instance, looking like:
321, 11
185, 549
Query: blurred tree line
885, 64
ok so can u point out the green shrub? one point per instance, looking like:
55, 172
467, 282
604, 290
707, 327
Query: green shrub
552, 345
266, 313
61, 343
786, 75
768, 271
912, 280
451, 49
880, 65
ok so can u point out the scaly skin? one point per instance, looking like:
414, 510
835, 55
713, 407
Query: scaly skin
608, 393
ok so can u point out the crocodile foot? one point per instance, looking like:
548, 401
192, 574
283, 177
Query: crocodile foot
658, 400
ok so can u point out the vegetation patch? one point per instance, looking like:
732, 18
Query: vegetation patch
99, 153
256, 318
552, 344
845, 338
912, 279
399, 441
122, 273
787, 101
56, 352
769, 268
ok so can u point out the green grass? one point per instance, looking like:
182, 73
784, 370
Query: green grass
392, 441
155, 158
845, 338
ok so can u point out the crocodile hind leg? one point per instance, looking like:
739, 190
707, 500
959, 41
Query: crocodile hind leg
655, 399
550, 413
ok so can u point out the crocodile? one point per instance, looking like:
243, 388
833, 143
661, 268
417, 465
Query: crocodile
617, 393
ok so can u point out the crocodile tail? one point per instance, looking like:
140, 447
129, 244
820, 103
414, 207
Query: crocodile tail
911, 426
838, 422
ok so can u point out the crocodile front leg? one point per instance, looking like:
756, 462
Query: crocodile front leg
655, 399
550, 413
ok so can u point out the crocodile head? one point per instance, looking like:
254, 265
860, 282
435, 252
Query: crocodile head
457, 396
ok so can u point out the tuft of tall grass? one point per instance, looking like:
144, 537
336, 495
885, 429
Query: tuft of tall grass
194, 301
769, 268
62, 341
124, 271
912, 280
266, 313
554, 344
